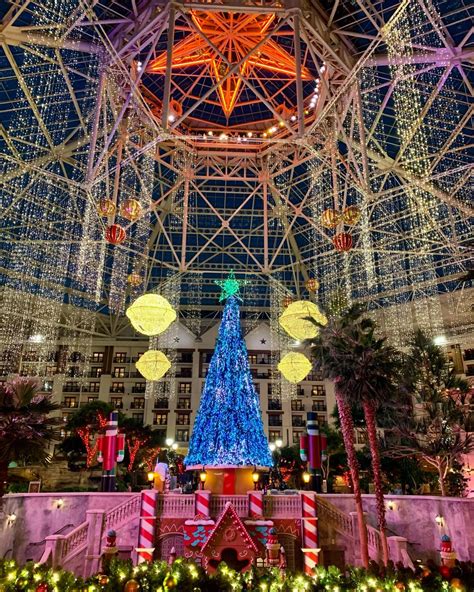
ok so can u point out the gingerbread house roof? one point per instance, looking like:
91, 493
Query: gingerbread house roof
228, 518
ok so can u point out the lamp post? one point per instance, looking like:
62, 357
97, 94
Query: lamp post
202, 477
255, 478
151, 478
306, 479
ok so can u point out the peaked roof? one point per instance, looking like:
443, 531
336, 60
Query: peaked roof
229, 515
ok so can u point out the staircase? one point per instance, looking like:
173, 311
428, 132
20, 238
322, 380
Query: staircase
335, 525
87, 538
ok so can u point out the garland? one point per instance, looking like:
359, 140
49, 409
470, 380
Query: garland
186, 576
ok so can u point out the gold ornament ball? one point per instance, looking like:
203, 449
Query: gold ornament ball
351, 215
312, 285
134, 279
287, 300
330, 218
131, 586
457, 584
103, 579
169, 583
106, 208
131, 209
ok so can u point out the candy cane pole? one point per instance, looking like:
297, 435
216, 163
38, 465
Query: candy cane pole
309, 531
146, 535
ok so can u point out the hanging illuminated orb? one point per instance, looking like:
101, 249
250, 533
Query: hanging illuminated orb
342, 242
312, 285
115, 234
106, 208
351, 215
153, 364
287, 300
297, 320
330, 218
294, 367
151, 314
134, 279
131, 209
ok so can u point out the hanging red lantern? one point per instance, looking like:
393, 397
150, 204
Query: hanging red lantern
106, 208
312, 285
115, 234
131, 209
330, 218
287, 300
342, 242
351, 215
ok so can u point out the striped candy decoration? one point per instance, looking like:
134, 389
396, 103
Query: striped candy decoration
203, 502
256, 504
308, 504
146, 535
311, 560
310, 533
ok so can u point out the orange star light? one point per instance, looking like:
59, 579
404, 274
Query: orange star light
232, 36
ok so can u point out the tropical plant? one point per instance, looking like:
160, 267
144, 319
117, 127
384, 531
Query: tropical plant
435, 428
365, 371
26, 428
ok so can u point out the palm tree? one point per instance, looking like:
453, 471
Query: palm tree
365, 371
26, 430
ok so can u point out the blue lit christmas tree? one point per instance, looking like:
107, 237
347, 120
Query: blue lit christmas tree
228, 429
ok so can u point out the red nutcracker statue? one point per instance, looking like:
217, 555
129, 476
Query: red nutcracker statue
313, 450
111, 446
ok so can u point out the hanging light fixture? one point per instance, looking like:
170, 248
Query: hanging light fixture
153, 365
296, 320
115, 234
295, 367
151, 314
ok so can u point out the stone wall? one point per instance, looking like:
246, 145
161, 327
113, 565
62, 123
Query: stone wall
414, 517
38, 516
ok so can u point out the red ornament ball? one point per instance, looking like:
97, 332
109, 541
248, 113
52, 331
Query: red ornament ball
42, 587
103, 579
445, 571
115, 234
342, 242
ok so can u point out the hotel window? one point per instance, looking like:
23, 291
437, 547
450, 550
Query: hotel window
120, 357
160, 419
161, 404
97, 357
318, 390
138, 403
182, 419
274, 435
71, 387
297, 421
91, 399
274, 404
116, 402
93, 387
137, 416
275, 420
184, 403
257, 387
95, 372
184, 387
138, 387
66, 417
297, 405
70, 402
51, 370
186, 358
252, 358
296, 437
185, 372
182, 435
319, 406
119, 372
117, 387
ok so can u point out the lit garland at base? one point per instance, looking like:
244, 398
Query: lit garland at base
185, 576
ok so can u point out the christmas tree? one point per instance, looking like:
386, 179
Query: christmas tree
228, 429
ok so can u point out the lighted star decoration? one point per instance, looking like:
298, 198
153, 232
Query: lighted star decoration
234, 36
230, 286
